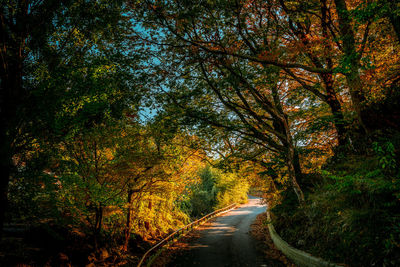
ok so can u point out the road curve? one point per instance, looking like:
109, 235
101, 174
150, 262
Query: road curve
226, 241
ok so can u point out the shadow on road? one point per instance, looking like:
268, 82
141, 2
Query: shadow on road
226, 241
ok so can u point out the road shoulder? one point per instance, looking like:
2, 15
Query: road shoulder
259, 230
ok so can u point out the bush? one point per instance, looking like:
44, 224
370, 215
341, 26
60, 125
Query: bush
353, 216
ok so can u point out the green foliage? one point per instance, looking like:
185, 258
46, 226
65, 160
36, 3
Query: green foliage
386, 155
216, 190
231, 189
203, 196
353, 214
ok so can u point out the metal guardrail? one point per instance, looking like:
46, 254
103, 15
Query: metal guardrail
184, 230
299, 257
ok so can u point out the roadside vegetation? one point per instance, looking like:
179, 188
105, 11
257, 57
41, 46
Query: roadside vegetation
352, 209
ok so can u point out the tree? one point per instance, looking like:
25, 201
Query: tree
256, 108
53, 35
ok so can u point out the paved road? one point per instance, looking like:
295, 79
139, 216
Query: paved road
226, 241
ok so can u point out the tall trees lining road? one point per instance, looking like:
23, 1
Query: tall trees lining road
249, 55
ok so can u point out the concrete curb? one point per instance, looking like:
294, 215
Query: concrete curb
299, 257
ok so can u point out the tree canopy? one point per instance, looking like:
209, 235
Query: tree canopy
124, 120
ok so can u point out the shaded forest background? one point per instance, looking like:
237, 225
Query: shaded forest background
122, 121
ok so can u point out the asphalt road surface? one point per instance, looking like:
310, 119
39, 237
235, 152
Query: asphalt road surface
226, 241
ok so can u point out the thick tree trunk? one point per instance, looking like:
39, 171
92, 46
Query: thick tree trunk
5, 155
357, 97
336, 109
330, 96
281, 124
349, 48
290, 161
10, 98
292, 175
339, 123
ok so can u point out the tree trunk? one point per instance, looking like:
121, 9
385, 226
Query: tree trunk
10, 100
12, 42
128, 220
357, 97
395, 20
349, 48
336, 109
281, 124
292, 175
5, 156
330, 96
98, 224
5, 160
394, 17
290, 162
4, 180
297, 168
338, 119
